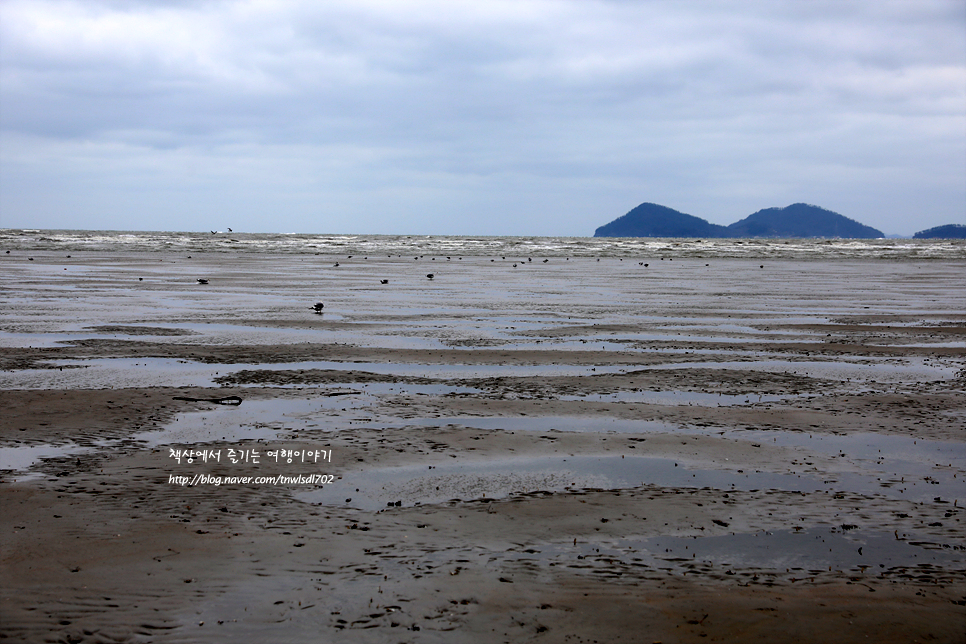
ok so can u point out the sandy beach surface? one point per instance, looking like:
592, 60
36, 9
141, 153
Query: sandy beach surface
514, 450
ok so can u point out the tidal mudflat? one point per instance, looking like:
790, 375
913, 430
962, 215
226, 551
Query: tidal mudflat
574, 450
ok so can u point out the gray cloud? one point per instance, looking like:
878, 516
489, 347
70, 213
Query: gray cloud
524, 117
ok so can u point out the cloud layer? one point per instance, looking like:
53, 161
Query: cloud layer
499, 117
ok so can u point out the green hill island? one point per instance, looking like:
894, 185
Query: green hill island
949, 231
796, 220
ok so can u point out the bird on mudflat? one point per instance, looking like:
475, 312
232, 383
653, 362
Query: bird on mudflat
317, 307
202, 281
383, 281
429, 275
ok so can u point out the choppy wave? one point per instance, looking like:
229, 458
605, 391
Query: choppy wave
433, 245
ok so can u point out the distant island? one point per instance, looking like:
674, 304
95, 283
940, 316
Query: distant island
652, 220
796, 220
949, 231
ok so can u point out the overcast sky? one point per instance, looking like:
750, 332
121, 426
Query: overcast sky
485, 117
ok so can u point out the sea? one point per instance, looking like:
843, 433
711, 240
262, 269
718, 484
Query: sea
60, 241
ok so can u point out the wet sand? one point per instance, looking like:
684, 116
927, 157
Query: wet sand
569, 451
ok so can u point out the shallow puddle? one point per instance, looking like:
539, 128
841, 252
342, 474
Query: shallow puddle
22, 458
896, 371
865, 445
540, 424
254, 420
102, 373
113, 373
909, 467
419, 485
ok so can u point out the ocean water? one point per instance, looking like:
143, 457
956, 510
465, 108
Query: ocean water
475, 246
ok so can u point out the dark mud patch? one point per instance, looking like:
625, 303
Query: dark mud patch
139, 330
314, 376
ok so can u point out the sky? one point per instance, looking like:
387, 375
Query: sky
479, 117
